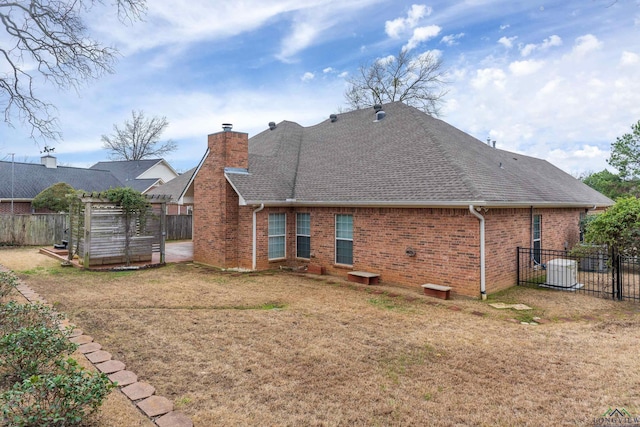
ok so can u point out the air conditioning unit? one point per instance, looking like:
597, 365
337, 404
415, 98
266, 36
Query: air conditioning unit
596, 260
597, 263
562, 273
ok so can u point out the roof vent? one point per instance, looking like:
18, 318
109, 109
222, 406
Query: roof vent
380, 115
272, 125
334, 118
377, 107
227, 127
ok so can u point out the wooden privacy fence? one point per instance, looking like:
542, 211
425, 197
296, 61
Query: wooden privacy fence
47, 229
33, 229
179, 227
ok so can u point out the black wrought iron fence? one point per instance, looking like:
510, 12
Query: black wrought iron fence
599, 272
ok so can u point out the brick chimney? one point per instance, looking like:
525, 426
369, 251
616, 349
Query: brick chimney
229, 149
216, 209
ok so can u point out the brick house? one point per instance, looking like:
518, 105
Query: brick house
394, 192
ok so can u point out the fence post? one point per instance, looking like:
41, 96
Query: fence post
518, 266
615, 274
163, 231
619, 276
612, 257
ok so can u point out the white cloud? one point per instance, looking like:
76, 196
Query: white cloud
504, 27
586, 44
395, 28
343, 74
523, 68
489, 77
549, 88
180, 23
307, 76
527, 49
433, 53
552, 41
629, 58
302, 35
327, 70
386, 60
422, 34
575, 158
451, 39
507, 41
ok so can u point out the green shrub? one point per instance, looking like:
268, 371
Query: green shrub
61, 398
15, 316
54, 198
8, 281
33, 350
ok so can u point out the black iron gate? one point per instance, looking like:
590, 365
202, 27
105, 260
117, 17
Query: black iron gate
597, 272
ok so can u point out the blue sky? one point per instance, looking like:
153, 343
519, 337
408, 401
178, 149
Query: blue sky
558, 80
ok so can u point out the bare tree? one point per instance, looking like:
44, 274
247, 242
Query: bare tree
138, 139
47, 39
415, 80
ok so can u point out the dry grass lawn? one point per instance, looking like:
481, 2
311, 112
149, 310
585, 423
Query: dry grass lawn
284, 349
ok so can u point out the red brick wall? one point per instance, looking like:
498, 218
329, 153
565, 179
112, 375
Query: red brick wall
506, 229
18, 207
446, 242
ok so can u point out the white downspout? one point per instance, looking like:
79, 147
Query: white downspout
255, 244
483, 288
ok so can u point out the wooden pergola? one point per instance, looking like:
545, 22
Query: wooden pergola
101, 233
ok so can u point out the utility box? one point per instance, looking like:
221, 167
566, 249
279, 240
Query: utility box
562, 273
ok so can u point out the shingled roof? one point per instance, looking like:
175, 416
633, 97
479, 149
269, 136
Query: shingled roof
176, 188
406, 159
29, 179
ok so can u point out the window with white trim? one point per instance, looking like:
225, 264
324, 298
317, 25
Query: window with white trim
277, 233
344, 239
303, 235
537, 238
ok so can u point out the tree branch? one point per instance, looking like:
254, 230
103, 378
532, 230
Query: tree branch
48, 40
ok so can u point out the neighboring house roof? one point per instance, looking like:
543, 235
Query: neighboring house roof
406, 159
141, 175
176, 188
29, 179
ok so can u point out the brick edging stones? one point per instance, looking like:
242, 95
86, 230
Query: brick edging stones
157, 408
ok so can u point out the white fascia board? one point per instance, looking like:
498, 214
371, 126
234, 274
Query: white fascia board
195, 173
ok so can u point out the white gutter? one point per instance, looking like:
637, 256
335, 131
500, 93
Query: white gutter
255, 256
483, 288
409, 204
